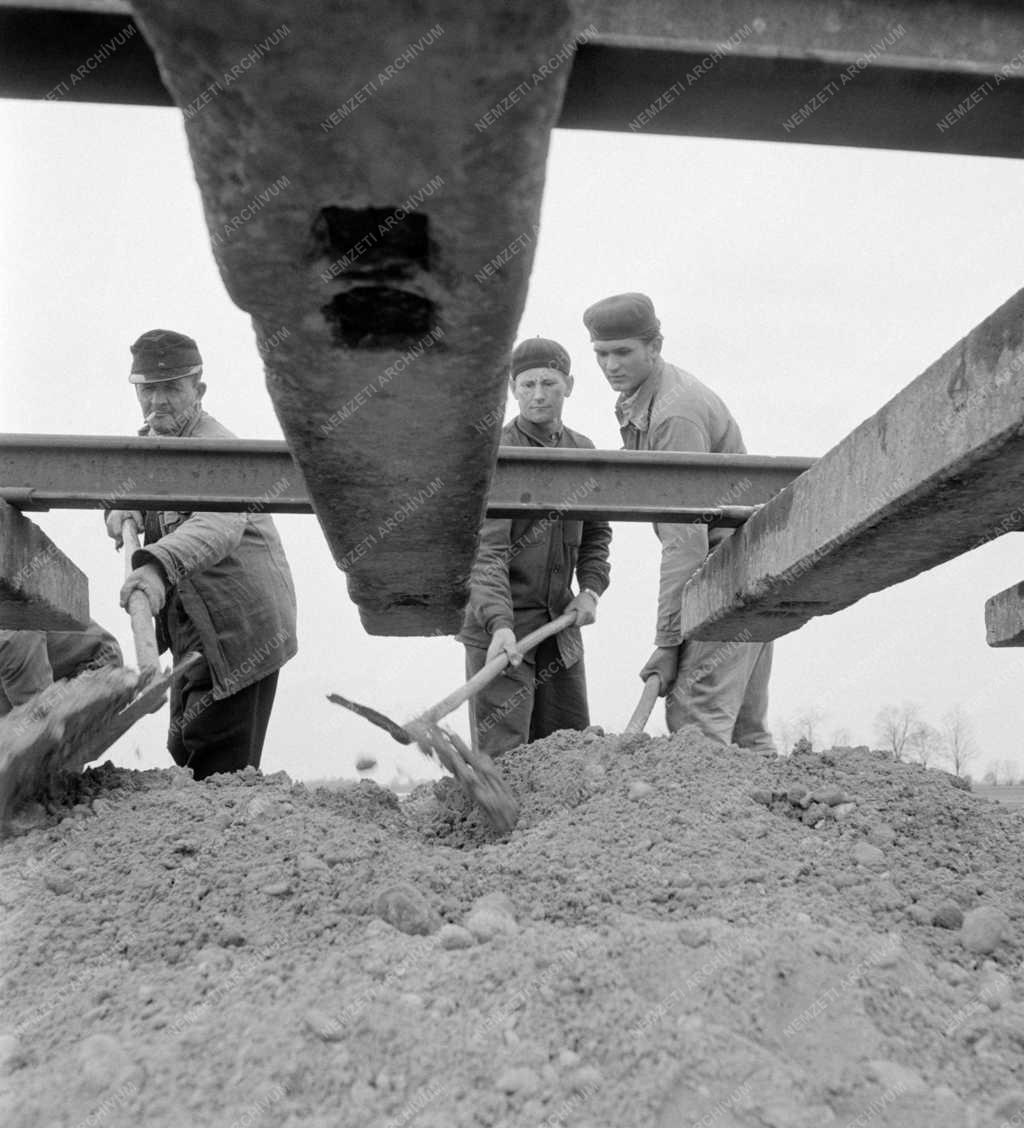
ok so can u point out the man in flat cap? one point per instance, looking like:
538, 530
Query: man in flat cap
721, 687
522, 579
218, 583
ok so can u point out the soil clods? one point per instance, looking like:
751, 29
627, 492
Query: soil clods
674, 934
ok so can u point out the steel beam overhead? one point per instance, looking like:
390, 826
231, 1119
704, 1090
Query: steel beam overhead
871, 74
939, 470
92, 472
739, 70
608, 485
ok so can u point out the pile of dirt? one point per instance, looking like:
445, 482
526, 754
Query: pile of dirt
674, 935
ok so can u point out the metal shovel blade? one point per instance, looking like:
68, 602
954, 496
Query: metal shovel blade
475, 772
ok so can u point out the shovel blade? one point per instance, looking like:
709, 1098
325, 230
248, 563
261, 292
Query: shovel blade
475, 773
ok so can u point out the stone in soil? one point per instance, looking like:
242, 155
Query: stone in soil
405, 908
948, 915
869, 856
984, 929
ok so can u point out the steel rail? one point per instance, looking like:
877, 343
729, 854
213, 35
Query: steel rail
40, 472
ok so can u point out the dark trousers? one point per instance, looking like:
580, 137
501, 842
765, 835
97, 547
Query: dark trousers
206, 735
218, 736
537, 698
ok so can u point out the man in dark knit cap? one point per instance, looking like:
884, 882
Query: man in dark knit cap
522, 579
218, 583
721, 687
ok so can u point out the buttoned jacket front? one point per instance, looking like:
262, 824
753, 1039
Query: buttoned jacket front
524, 567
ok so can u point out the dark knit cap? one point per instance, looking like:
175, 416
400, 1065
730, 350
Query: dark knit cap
622, 316
539, 352
162, 354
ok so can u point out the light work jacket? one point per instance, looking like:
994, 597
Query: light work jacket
673, 410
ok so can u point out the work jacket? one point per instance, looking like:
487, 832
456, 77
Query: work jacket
524, 567
673, 410
228, 576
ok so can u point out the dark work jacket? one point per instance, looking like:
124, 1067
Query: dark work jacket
524, 567
228, 575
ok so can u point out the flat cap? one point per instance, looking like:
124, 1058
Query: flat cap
621, 316
539, 352
162, 354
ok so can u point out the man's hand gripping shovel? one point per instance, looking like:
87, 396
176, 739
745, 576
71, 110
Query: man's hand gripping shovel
153, 683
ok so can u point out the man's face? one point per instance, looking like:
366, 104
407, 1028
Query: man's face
170, 404
626, 364
540, 393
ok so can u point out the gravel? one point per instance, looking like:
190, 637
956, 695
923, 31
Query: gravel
246, 950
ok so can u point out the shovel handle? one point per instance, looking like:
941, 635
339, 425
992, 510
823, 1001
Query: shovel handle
375, 718
492, 670
651, 693
143, 632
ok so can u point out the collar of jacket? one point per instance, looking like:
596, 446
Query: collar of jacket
532, 431
635, 409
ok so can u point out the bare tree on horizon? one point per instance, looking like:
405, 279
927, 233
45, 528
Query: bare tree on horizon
894, 726
926, 742
959, 737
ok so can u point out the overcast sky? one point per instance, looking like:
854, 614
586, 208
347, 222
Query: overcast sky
807, 285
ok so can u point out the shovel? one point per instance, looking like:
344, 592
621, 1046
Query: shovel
147, 656
153, 685
474, 770
73, 722
651, 693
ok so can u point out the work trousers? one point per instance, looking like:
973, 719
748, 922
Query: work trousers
722, 688
538, 697
208, 735
218, 736
32, 660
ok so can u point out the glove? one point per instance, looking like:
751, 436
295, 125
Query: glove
116, 518
585, 606
503, 641
665, 663
148, 579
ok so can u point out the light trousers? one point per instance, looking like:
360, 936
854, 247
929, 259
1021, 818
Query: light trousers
722, 688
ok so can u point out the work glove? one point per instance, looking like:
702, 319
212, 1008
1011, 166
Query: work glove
116, 518
148, 579
585, 606
503, 641
665, 663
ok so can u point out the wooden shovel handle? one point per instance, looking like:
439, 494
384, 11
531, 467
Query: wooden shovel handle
143, 632
492, 670
651, 693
